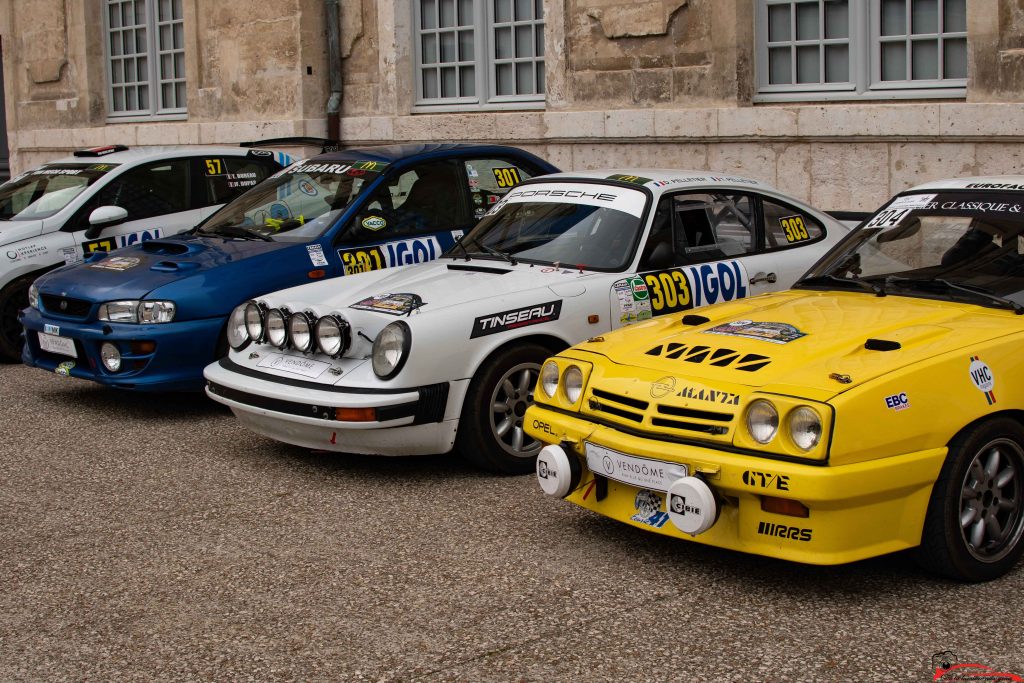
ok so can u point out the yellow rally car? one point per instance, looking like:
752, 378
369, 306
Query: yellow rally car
875, 407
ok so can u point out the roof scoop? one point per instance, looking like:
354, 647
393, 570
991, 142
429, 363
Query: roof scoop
169, 248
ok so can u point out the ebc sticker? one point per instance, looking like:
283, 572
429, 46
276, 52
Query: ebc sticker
775, 333
516, 318
794, 229
120, 241
982, 378
507, 177
392, 304
897, 401
118, 263
389, 255
680, 289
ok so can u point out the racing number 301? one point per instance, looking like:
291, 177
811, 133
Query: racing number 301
506, 177
362, 261
669, 291
795, 229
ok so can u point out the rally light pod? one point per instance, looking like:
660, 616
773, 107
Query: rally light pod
557, 472
692, 507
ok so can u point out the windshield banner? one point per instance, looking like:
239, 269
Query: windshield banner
608, 196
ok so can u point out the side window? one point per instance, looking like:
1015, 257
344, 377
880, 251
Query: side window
224, 178
490, 180
429, 197
785, 226
152, 190
700, 227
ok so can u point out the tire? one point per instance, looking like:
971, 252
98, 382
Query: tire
13, 298
975, 522
491, 434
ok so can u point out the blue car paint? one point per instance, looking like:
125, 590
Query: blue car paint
207, 277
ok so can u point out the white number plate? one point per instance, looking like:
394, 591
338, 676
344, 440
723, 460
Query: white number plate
295, 365
55, 344
630, 469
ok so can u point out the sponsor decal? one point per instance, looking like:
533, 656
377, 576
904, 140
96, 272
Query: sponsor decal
260, 153
680, 507
477, 199
994, 186
912, 201
401, 253
623, 199
118, 263
897, 401
648, 509
70, 255
766, 480
120, 241
64, 369
374, 223
51, 170
295, 365
681, 289
663, 387
543, 427
775, 333
948, 667
507, 177
316, 254
782, 531
630, 469
639, 289
51, 329
29, 251
633, 179
794, 229
241, 179
392, 304
711, 396
101, 168
306, 187
982, 378
471, 171
982, 207
516, 318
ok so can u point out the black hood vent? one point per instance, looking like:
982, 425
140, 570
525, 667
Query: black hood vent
722, 358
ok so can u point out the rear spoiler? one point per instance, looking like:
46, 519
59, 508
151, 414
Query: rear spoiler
851, 217
325, 144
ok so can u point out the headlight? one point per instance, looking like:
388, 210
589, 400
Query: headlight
805, 427
549, 378
277, 330
33, 296
762, 421
254, 320
572, 382
137, 311
238, 335
390, 349
332, 335
300, 331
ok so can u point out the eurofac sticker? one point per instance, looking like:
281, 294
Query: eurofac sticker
119, 263
897, 401
648, 509
316, 254
392, 304
776, 333
982, 377
374, 223
516, 318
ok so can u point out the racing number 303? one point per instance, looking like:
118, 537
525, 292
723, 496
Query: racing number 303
795, 229
669, 291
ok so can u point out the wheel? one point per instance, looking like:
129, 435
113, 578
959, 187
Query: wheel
13, 298
491, 433
975, 519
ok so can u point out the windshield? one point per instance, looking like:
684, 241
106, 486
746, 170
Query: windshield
296, 204
42, 192
588, 226
951, 245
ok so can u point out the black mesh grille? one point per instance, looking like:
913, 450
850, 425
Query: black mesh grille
75, 308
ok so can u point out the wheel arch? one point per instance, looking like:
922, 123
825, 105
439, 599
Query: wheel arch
1013, 414
551, 342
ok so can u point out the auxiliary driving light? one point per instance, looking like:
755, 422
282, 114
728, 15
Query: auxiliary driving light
558, 473
110, 356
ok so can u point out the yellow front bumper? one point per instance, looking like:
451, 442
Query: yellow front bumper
856, 511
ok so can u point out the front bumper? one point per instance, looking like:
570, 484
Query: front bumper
409, 421
182, 349
855, 511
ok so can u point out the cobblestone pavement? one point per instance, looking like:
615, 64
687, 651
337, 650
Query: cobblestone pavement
149, 537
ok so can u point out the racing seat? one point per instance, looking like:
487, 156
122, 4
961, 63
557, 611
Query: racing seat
434, 200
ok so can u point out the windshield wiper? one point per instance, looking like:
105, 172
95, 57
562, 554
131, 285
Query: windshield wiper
500, 254
459, 245
835, 279
240, 231
927, 283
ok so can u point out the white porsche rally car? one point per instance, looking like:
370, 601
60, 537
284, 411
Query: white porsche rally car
444, 354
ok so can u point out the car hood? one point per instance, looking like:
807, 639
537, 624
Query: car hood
16, 231
811, 344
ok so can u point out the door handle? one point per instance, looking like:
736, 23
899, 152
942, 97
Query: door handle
763, 277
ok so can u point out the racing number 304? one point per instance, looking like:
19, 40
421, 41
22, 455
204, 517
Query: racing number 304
669, 291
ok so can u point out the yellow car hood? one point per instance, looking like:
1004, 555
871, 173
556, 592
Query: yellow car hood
811, 344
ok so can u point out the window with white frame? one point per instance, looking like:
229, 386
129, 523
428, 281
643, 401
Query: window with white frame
479, 53
861, 49
145, 57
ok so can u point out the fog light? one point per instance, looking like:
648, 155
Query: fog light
558, 472
110, 356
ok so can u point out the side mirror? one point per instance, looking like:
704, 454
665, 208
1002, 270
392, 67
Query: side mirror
102, 217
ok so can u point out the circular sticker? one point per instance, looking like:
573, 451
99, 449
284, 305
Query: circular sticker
691, 505
639, 288
981, 375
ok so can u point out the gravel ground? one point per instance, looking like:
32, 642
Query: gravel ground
149, 537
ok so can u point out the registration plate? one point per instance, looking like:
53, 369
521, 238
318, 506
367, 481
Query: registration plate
55, 344
645, 473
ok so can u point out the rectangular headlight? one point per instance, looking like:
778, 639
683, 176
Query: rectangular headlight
119, 311
156, 311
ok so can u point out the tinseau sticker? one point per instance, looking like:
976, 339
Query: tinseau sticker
516, 318
983, 379
776, 333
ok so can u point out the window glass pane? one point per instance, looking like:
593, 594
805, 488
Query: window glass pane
954, 15
430, 84
466, 47
837, 20
150, 191
114, 16
465, 12
778, 23
894, 61
164, 13
503, 43
447, 13
167, 95
448, 47
179, 36
140, 11
807, 64
540, 39
894, 17
429, 52
140, 42
167, 65
524, 10
131, 99
780, 65
837, 64
177, 8
785, 226
503, 10
538, 9
540, 77
118, 99
467, 81
524, 41
504, 84
807, 21
524, 78
449, 83
925, 59
142, 70
144, 97
115, 45
955, 62
116, 71
925, 16
179, 65
428, 14
179, 94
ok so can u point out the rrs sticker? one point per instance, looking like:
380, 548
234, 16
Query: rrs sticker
120, 241
403, 253
507, 177
794, 228
681, 289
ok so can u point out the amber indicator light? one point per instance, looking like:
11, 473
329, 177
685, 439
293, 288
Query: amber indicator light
316, 274
784, 506
142, 347
593, 319
355, 414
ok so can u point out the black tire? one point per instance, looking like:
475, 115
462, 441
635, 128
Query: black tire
13, 298
974, 529
491, 437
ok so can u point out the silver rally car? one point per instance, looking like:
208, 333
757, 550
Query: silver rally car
446, 354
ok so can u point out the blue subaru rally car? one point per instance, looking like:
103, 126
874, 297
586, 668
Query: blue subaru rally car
153, 315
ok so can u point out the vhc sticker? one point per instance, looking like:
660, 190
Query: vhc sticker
120, 241
402, 253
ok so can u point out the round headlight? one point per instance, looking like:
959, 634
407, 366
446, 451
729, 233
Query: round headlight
549, 378
390, 349
332, 335
110, 356
762, 421
805, 427
33, 295
572, 382
238, 335
277, 328
254, 320
300, 331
